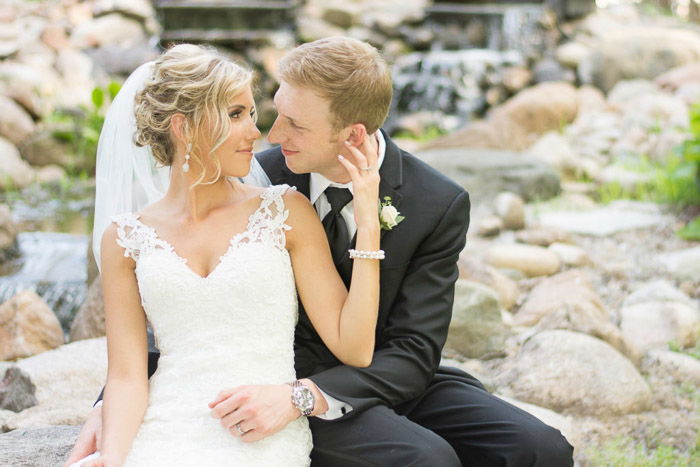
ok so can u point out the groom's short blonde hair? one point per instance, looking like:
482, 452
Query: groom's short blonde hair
349, 73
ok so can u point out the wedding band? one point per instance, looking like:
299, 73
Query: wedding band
366, 168
240, 430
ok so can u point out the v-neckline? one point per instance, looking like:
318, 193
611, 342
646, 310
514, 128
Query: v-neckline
233, 241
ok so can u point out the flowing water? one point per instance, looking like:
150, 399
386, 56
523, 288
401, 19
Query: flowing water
53, 246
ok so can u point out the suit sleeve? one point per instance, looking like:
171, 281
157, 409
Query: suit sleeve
416, 330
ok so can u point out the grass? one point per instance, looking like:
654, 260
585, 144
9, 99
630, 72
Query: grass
694, 352
624, 452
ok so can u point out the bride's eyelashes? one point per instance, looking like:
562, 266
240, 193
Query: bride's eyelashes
236, 114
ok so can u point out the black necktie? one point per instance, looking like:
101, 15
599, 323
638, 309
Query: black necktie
336, 229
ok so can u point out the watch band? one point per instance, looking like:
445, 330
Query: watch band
302, 397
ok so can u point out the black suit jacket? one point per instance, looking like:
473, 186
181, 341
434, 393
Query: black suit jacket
416, 285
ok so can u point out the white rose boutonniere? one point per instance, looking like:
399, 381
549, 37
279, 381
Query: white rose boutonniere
389, 216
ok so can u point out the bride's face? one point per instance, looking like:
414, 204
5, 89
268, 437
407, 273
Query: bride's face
236, 152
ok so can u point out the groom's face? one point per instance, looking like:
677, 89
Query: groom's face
304, 131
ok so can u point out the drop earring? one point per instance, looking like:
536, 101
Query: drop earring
186, 165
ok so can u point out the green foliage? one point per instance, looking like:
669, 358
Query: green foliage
691, 231
81, 129
674, 346
623, 452
430, 133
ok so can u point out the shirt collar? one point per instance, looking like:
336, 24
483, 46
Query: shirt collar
318, 183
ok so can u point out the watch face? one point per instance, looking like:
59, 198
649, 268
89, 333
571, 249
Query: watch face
303, 398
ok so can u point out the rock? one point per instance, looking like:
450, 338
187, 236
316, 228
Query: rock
68, 380
485, 173
626, 91
658, 291
115, 59
511, 209
564, 424
571, 54
593, 134
549, 69
478, 271
112, 28
34, 86
531, 260
76, 69
15, 123
575, 373
653, 324
41, 149
495, 95
54, 36
14, 171
50, 174
477, 134
142, 9
516, 78
638, 52
27, 327
680, 76
683, 264
677, 366
568, 301
342, 15
618, 216
689, 93
311, 29
555, 150
590, 99
38, 447
489, 227
626, 179
542, 236
89, 321
16, 391
476, 329
570, 255
8, 234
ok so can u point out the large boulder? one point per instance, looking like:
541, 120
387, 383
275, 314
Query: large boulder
14, 171
576, 373
89, 321
27, 327
67, 379
476, 329
37, 447
657, 314
638, 52
683, 264
486, 173
529, 259
112, 28
680, 76
679, 367
15, 123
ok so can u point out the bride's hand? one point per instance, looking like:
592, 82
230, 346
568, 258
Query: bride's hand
364, 172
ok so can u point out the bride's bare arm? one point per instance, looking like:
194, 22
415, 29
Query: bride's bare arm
345, 321
126, 392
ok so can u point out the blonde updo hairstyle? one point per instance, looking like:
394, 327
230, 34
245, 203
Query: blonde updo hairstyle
198, 82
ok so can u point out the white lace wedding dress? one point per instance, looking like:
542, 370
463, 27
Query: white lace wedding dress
233, 327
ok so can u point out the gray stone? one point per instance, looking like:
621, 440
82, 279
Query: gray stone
576, 373
511, 209
572, 53
653, 325
680, 76
516, 78
42, 149
476, 329
89, 321
554, 149
684, 264
37, 447
476, 270
529, 259
616, 217
638, 52
485, 173
112, 28
570, 255
549, 69
16, 391
677, 366
542, 236
489, 226
658, 290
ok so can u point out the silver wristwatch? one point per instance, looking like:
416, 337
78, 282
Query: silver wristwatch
302, 398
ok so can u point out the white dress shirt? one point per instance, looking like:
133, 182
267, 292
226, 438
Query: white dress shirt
317, 186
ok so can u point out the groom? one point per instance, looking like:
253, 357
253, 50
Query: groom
404, 409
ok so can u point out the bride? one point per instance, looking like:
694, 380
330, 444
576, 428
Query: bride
215, 266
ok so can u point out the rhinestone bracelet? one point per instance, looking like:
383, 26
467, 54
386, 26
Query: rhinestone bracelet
361, 254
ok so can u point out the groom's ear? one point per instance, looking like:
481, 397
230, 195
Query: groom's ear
357, 134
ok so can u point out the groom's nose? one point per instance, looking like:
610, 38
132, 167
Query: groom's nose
275, 134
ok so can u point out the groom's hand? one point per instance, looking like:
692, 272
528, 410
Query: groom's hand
260, 410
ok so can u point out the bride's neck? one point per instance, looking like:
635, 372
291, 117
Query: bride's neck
195, 204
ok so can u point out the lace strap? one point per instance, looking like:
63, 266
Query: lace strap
268, 221
131, 234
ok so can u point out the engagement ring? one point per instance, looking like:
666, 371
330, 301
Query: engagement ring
240, 430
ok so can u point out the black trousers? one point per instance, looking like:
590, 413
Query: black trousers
456, 422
